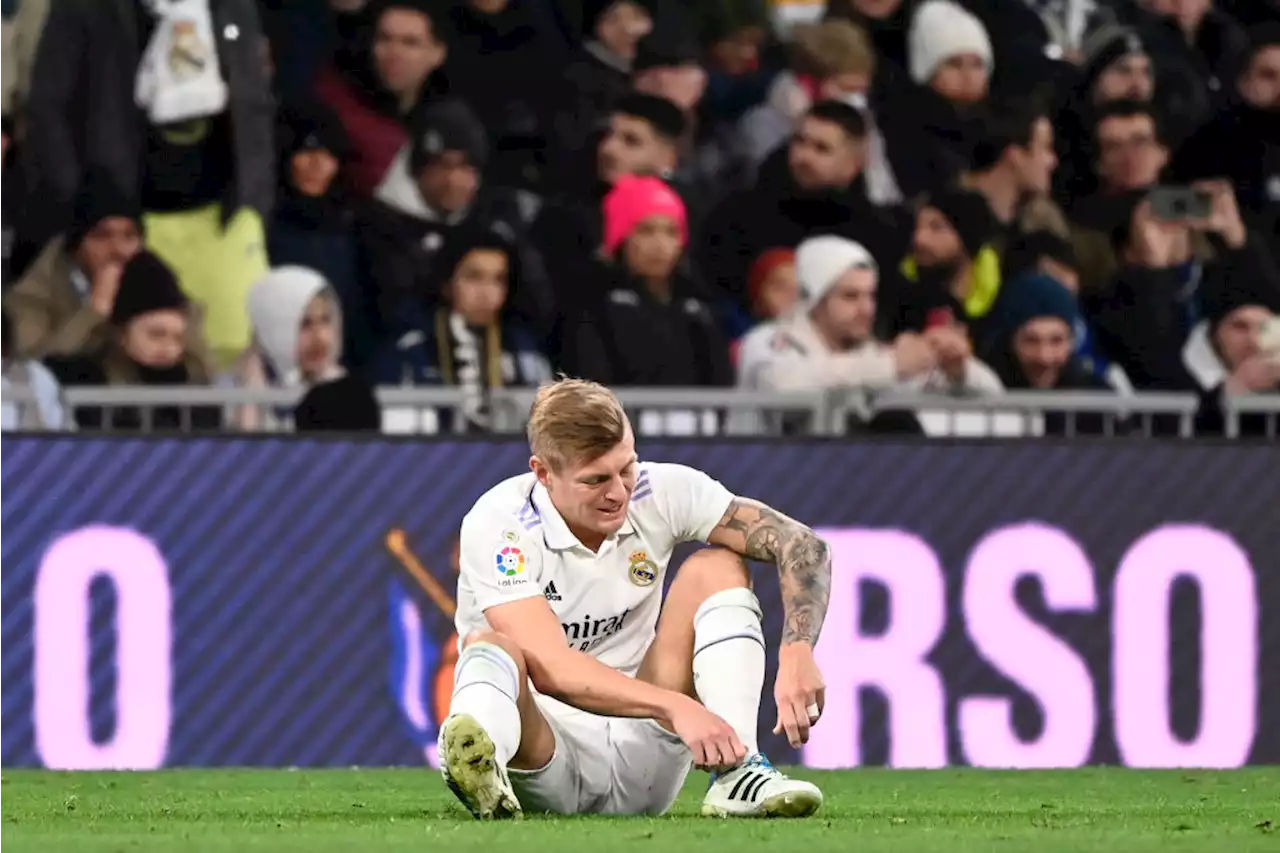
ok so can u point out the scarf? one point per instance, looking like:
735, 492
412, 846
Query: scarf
463, 364
179, 78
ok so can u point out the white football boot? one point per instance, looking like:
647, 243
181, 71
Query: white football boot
470, 768
756, 788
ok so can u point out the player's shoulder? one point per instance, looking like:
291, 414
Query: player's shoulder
503, 505
664, 478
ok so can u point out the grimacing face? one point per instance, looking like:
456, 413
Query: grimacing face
593, 497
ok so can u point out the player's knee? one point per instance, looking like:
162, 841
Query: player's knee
498, 640
718, 569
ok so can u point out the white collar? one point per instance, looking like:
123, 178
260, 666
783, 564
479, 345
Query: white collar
554, 530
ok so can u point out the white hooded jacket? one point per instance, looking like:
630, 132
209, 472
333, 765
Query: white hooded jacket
277, 305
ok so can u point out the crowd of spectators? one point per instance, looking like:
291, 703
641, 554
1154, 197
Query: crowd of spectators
948, 196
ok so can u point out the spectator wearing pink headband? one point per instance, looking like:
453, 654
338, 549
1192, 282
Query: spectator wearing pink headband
648, 323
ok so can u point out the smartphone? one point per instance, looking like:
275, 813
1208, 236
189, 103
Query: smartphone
939, 318
1179, 204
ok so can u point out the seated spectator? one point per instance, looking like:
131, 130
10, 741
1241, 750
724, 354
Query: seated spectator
832, 60
1208, 45
599, 75
736, 38
649, 325
344, 405
953, 271
829, 342
297, 331
1012, 167
148, 342
1114, 66
313, 226
442, 190
1145, 313
508, 65
468, 339
772, 291
1130, 155
67, 294
1243, 142
1224, 353
931, 125
173, 100
392, 78
814, 184
642, 139
1042, 253
41, 406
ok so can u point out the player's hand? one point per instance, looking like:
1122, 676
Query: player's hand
713, 742
799, 691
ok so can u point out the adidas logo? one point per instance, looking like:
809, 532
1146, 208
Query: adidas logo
551, 592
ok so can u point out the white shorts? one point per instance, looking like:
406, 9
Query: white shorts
604, 765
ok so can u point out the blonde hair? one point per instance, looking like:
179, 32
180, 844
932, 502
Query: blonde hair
832, 47
574, 421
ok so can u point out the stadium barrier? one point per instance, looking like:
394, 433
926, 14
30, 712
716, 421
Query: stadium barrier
683, 412
272, 601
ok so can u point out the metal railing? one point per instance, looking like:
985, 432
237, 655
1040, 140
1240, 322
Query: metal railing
681, 412
1265, 406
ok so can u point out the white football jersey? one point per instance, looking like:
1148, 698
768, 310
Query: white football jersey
515, 545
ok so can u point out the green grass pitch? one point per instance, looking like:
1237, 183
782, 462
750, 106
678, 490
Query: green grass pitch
866, 811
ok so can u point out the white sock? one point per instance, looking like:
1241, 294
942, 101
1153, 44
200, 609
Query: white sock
486, 684
728, 660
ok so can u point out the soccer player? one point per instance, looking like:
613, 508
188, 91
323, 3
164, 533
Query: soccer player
578, 689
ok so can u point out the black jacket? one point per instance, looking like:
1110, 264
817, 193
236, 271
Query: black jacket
630, 338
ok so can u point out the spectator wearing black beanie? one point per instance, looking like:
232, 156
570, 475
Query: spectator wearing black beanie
65, 294
151, 342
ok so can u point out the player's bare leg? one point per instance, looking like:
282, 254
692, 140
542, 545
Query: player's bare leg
493, 724
710, 645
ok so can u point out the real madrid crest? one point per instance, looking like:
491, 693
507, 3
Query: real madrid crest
643, 570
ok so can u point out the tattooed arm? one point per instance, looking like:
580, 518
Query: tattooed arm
804, 562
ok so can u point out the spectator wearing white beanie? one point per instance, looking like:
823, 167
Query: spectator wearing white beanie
948, 49
829, 342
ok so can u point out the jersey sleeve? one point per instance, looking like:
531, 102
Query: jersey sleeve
691, 502
500, 561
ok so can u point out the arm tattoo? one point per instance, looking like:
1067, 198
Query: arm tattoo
804, 562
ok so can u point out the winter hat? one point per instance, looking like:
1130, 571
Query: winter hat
664, 51
594, 10
939, 31
820, 261
341, 405
969, 214
764, 266
99, 197
277, 303
1217, 302
635, 198
447, 126
146, 284
1266, 34
312, 127
1104, 46
1029, 297
660, 113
